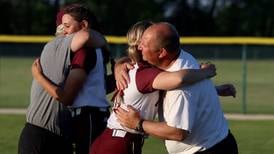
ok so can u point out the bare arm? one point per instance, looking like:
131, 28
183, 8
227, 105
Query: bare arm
172, 80
131, 119
165, 80
89, 38
50, 87
163, 131
74, 82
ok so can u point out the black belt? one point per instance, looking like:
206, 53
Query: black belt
88, 109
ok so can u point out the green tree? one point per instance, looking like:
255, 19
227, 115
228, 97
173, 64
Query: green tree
247, 18
5, 14
27, 17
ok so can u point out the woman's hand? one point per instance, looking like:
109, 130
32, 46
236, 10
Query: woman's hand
121, 74
36, 69
226, 90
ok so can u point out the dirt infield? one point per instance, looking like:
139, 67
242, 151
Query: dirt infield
230, 116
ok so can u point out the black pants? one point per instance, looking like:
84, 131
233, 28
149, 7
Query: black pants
227, 146
36, 140
87, 126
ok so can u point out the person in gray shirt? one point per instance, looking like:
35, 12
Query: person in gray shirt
48, 122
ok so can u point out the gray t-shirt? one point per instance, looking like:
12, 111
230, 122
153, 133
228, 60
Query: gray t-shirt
44, 111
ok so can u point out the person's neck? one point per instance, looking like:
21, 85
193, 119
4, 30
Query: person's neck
169, 61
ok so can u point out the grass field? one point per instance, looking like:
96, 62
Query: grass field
15, 81
253, 136
260, 85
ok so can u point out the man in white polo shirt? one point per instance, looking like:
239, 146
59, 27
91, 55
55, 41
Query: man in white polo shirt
193, 119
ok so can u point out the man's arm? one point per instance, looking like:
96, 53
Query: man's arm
163, 131
131, 119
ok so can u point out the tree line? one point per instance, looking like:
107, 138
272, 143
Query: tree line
191, 17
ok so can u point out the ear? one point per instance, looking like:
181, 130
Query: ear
84, 24
162, 53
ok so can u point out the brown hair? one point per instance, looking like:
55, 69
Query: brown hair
80, 12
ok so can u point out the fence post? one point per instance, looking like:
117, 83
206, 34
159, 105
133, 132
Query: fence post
244, 77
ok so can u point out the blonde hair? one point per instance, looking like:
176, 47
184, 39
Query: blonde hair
134, 36
59, 30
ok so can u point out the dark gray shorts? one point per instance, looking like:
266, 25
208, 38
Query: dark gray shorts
36, 140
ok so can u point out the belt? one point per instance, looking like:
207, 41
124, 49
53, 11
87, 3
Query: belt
118, 133
134, 141
123, 133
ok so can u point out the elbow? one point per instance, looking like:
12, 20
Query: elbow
63, 100
178, 135
57, 95
57, 98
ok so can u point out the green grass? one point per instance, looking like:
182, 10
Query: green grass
15, 81
260, 85
153, 145
10, 129
253, 137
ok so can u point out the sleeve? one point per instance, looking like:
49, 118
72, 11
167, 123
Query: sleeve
180, 109
181, 105
145, 78
84, 59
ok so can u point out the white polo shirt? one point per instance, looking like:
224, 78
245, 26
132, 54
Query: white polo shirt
196, 109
